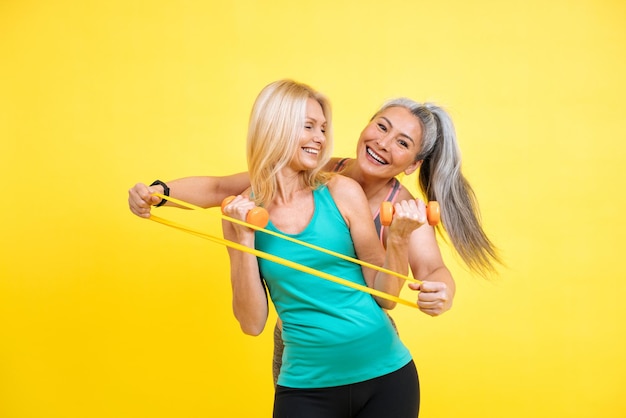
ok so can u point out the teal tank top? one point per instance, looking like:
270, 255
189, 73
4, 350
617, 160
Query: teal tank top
333, 335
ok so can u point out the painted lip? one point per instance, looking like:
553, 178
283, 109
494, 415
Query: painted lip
376, 157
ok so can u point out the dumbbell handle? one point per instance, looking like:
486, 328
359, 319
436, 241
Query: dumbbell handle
256, 216
432, 213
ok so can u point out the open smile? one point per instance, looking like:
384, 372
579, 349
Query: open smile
311, 150
375, 156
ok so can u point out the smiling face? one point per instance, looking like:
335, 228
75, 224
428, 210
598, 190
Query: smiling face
389, 143
313, 138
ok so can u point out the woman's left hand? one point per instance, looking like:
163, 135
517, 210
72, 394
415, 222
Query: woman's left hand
433, 298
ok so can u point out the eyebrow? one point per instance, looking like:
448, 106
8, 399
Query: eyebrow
312, 119
401, 133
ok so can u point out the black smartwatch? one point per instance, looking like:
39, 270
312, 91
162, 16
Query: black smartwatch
166, 191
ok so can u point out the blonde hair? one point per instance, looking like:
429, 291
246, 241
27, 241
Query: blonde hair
275, 127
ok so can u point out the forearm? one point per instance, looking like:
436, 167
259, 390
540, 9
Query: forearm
437, 287
443, 275
250, 305
249, 298
207, 191
397, 260
199, 191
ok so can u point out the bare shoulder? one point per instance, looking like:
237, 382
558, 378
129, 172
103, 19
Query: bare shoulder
348, 196
342, 187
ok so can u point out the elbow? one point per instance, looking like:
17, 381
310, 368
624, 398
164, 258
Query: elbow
386, 303
390, 305
253, 330
251, 320
251, 326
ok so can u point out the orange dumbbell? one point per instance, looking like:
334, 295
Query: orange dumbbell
256, 216
432, 213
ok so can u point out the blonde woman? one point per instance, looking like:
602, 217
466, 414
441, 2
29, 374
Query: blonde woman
403, 136
342, 356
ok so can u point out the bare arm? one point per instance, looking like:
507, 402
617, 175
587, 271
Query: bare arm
354, 207
437, 290
203, 191
250, 305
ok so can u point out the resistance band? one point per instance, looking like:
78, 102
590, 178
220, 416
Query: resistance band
294, 240
283, 261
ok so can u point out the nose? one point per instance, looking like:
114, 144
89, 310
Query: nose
383, 141
319, 136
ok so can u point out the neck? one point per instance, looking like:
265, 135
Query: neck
289, 186
372, 186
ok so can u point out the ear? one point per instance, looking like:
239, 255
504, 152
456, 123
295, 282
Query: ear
414, 166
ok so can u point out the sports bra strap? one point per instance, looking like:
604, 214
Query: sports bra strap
339, 165
391, 197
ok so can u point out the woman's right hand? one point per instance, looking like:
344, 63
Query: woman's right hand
238, 208
141, 199
408, 216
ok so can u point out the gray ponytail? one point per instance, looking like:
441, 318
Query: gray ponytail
441, 179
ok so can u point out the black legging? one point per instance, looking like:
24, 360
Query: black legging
394, 395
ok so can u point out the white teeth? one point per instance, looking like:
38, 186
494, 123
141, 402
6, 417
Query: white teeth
375, 156
311, 151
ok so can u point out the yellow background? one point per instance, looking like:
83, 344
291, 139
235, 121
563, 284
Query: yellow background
103, 314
